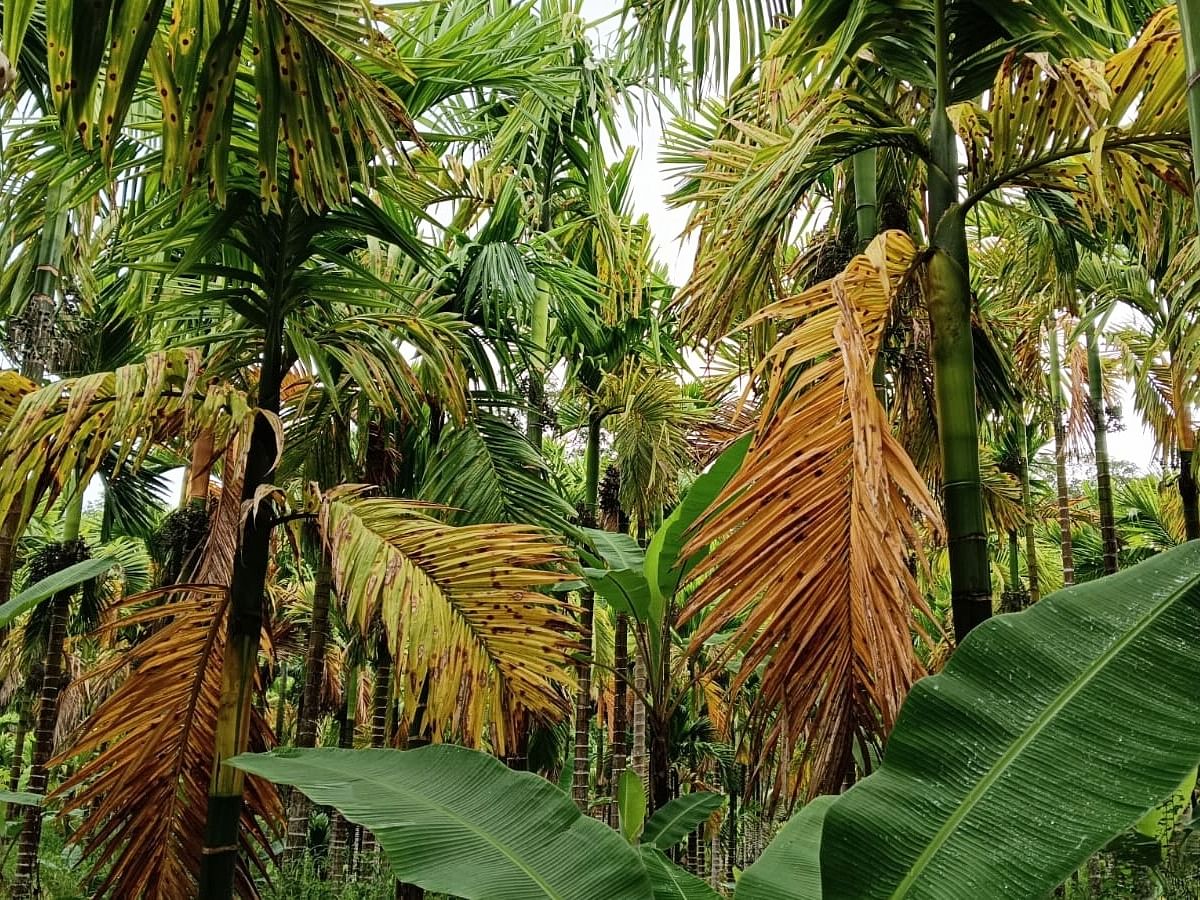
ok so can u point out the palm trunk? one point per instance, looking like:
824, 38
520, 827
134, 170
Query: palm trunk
25, 877
1031, 562
539, 328
1188, 494
381, 698
660, 765
731, 832
866, 204
620, 736
716, 865
240, 661
340, 841
1108, 528
1189, 27
638, 758
299, 806
954, 362
26, 874
24, 705
200, 468
587, 601
1060, 460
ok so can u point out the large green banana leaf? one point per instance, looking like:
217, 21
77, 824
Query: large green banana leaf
671, 882
1049, 732
459, 822
671, 824
790, 867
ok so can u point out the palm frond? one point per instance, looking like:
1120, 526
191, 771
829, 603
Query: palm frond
71, 427
484, 470
148, 750
810, 541
474, 592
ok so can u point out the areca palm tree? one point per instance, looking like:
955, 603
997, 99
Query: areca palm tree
826, 90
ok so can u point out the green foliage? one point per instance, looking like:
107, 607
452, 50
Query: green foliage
64, 579
631, 805
457, 821
790, 867
671, 824
988, 779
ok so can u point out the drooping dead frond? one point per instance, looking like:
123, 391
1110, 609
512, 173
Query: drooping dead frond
149, 748
811, 540
74, 425
470, 634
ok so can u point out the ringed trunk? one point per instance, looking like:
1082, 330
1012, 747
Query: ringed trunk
954, 360
1060, 461
240, 661
299, 807
1108, 528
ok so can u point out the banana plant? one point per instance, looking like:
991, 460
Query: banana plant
1049, 732
642, 584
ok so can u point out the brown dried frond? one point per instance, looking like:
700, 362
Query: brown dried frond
149, 747
810, 540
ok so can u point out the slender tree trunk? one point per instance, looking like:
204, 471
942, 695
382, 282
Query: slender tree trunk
381, 698
299, 807
539, 328
714, 859
693, 851
240, 661
1060, 460
639, 759
1031, 561
660, 765
1189, 26
731, 835
954, 361
866, 204
200, 468
26, 874
1188, 494
620, 737
1108, 527
341, 831
583, 706
25, 878
587, 601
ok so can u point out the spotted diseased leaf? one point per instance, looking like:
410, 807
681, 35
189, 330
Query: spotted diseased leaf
472, 636
70, 427
1113, 132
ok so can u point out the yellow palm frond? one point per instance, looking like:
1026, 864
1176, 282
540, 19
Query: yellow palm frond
71, 426
811, 540
469, 629
1095, 129
13, 388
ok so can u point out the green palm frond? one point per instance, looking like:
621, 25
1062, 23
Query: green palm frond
485, 470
